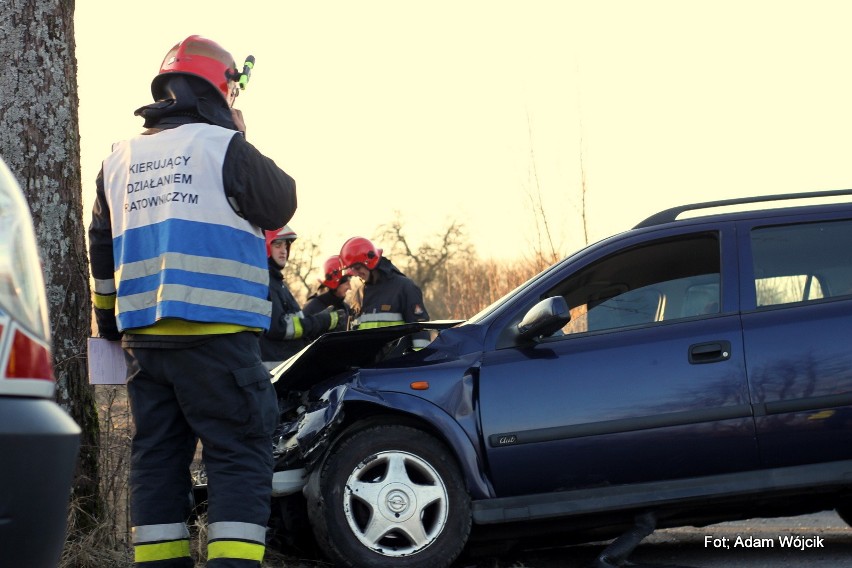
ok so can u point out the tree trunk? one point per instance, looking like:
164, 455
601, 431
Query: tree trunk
40, 141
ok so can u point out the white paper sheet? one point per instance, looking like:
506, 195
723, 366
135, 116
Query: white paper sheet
106, 362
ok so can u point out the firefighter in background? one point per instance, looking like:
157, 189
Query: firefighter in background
388, 296
176, 250
334, 286
291, 329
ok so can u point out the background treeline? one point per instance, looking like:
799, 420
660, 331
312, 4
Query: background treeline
455, 281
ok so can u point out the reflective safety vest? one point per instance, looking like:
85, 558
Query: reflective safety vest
380, 319
375, 320
180, 251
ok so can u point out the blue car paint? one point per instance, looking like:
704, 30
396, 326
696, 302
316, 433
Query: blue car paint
447, 405
625, 407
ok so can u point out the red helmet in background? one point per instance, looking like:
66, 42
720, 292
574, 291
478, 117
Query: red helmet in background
360, 250
285, 233
203, 58
333, 273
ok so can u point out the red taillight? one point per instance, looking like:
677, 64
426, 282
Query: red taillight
29, 359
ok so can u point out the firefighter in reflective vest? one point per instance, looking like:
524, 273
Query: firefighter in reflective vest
291, 329
177, 254
388, 296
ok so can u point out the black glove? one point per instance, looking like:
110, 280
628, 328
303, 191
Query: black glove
338, 320
342, 320
107, 326
322, 321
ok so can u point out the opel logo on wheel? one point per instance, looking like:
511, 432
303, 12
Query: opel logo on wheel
397, 501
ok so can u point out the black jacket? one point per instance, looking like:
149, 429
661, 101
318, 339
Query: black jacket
291, 329
327, 300
388, 290
389, 297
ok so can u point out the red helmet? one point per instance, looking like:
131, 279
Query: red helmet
360, 250
285, 233
203, 58
333, 273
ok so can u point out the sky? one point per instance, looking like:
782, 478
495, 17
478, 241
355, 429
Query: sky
478, 111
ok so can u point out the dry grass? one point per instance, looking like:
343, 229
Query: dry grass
469, 287
103, 542
93, 548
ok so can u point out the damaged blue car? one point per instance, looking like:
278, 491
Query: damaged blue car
692, 370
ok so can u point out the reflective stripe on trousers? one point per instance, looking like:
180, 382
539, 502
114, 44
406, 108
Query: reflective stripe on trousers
167, 545
229, 545
230, 542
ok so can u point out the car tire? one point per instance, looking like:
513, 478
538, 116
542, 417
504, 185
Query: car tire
390, 496
289, 529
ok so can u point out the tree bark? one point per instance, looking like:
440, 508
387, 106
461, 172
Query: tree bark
40, 141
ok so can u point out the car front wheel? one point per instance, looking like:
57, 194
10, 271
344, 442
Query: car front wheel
390, 496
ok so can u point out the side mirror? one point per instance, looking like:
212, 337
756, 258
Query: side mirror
545, 318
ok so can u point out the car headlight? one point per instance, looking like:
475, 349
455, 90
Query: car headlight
23, 305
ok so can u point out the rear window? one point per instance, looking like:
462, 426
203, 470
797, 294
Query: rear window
802, 263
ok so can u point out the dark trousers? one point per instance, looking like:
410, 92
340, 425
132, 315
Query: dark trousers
218, 392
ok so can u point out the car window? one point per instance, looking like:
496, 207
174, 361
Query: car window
801, 263
664, 280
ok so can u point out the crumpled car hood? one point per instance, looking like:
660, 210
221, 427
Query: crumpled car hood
337, 352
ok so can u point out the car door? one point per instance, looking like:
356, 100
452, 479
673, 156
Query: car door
797, 313
646, 383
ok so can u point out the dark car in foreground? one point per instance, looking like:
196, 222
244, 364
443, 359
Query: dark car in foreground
692, 370
38, 440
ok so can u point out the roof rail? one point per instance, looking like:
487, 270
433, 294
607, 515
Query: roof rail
669, 215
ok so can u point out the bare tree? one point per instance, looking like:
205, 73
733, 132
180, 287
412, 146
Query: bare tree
583, 188
426, 263
302, 266
546, 250
39, 139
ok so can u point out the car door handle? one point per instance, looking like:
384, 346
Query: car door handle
710, 352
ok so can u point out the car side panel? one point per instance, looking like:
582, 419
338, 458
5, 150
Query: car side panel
616, 408
800, 370
798, 353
